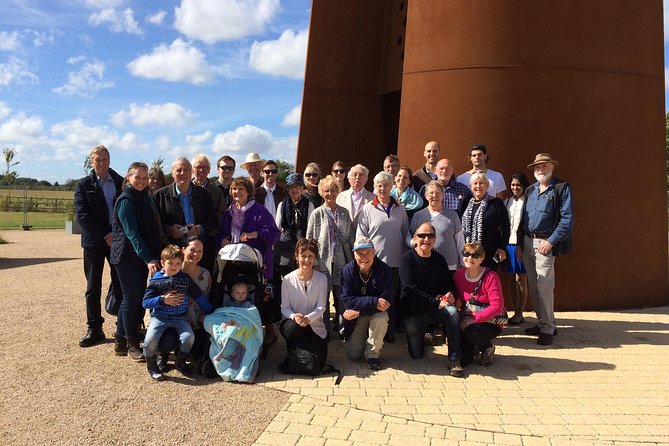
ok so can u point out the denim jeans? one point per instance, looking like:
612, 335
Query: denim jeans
158, 325
415, 331
132, 274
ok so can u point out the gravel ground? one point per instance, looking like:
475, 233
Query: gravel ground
57, 393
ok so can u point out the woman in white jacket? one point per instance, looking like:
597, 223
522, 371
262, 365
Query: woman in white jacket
303, 297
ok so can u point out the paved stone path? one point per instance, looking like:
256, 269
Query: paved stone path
605, 380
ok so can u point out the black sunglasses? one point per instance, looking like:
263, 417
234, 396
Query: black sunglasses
230, 168
428, 236
339, 171
473, 255
309, 175
270, 171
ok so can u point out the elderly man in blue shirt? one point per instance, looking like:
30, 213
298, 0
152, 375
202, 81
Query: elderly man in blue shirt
545, 230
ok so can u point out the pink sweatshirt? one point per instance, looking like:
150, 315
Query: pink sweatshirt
489, 293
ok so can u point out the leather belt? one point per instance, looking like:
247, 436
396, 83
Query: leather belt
539, 236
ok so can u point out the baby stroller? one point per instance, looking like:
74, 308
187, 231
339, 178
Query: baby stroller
236, 331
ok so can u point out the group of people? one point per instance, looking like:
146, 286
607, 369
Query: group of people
419, 251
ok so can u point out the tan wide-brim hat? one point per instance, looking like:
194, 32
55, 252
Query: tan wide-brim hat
543, 158
252, 157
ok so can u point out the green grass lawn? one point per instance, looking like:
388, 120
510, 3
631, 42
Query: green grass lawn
38, 220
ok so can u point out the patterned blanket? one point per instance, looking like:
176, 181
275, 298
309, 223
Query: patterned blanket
236, 340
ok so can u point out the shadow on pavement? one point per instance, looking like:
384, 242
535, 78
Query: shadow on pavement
18, 263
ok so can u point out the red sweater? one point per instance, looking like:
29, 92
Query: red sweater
489, 293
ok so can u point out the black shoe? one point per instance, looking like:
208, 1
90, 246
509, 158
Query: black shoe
152, 368
181, 366
93, 336
374, 363
120, 345
534, 331
545, 339
389, 339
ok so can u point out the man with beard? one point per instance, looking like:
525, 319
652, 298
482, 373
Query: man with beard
545, 230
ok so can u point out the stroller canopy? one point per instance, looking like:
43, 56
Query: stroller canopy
238, 252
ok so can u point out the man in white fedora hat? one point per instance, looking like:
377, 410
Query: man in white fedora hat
545, 230
252, 164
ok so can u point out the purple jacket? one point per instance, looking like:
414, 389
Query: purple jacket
256, 218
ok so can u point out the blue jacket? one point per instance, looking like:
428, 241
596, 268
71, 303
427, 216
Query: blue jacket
379, 285
91, 209
160, 284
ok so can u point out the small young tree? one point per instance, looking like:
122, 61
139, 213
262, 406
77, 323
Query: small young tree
9, 177
158, 163
285, 169
88, 165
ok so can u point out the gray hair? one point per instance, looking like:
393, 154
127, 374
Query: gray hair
181, 159
361, 167
383, 177
479, 175
435, 184
200, 157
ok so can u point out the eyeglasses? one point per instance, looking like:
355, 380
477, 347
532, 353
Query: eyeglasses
270, 171
339, 171
473, 255
227, 168
310, 175
427, 236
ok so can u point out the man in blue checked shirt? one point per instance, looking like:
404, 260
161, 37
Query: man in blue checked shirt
545, 230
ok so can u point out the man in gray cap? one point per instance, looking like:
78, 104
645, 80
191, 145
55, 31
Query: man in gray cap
366, 284
545, 231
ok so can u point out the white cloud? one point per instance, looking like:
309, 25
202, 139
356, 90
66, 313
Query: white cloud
4, 110
16, 71
178, 62
243, 140
168, 114
157, 18
292, 118
21, 128
86, 81
40, 38
77, 134
283, 57
9, 41
214, 20
117, 21
198, 139
75, 60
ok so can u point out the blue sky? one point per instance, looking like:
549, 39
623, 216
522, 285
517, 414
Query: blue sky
149, 79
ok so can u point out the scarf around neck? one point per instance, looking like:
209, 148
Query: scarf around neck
473, 228
238, 219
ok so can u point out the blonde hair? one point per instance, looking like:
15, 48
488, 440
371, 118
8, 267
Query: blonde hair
328, 181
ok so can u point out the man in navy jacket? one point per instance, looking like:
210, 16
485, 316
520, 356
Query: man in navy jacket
94, 197
366, 285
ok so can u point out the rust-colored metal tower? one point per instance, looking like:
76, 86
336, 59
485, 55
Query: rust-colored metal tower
581, 80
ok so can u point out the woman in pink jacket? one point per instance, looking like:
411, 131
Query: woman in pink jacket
478, 327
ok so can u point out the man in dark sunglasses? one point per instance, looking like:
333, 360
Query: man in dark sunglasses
226, 170
427, 299
270, 194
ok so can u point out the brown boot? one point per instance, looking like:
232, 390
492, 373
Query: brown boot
134, 350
